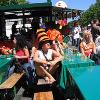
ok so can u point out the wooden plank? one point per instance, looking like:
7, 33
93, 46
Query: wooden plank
11, 81
43, 96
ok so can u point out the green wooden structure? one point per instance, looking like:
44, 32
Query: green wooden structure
4, 66
35, 10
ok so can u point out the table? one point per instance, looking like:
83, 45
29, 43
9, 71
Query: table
76, 61
4, 65
88, 81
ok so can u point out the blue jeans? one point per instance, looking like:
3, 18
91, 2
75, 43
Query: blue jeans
30, 70
28, 67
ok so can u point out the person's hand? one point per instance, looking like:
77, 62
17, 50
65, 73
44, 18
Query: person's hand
16, 56
91, 22
49, 65
10, 51
76, 32
52, 63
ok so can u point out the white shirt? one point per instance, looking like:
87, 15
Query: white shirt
48, 55
77, 30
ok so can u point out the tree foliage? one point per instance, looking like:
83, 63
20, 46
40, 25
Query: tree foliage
10, 2
21, 1
92, 13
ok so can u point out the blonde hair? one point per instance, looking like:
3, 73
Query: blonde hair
85, 33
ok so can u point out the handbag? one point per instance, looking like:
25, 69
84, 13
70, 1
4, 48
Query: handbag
18, 68
48, 65
95, 58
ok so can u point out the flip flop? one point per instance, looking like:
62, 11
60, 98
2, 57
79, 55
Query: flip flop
46, 79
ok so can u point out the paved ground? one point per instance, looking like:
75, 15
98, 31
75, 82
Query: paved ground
19, 95
57, 94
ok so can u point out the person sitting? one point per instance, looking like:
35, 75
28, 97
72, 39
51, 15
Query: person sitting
46, 59
87, 46
56, 43
56, 37
22, 52
57, 46
22, 56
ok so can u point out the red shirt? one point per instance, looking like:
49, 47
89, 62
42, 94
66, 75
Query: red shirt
21, 53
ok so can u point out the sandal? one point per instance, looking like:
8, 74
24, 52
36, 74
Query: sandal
46, 79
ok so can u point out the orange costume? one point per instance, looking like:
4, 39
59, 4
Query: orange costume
55, 34
87, 48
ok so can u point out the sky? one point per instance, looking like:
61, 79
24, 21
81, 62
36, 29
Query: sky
73, 4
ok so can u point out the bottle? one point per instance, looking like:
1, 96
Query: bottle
70, 54
14, 51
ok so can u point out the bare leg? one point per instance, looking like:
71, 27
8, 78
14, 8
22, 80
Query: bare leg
54, 68
42, 72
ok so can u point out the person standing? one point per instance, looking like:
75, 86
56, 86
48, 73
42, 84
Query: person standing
46, 59
14, 30
95, 29
76, 34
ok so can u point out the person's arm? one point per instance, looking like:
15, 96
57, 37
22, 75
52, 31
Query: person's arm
75, 30
57, 47
38, 60
57, 57
96, 27
94, 48
33, 51
61, 48
81, 48
79, 28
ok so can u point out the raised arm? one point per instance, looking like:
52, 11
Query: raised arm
56, 57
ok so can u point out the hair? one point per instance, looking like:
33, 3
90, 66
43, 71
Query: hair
21, 42
87, 33
44, 41
15, 22
51, 25
75, 24
95, 20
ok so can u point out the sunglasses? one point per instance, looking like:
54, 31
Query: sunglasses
48, 43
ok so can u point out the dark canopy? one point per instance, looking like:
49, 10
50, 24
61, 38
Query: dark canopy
36, 9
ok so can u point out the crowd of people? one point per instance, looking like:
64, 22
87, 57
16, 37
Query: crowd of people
43, 56
46, 51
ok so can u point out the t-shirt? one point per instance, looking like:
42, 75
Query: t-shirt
21, 53
48, 55
76, 32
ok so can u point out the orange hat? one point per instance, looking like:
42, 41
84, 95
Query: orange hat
43, 38
40, 30
40, 33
